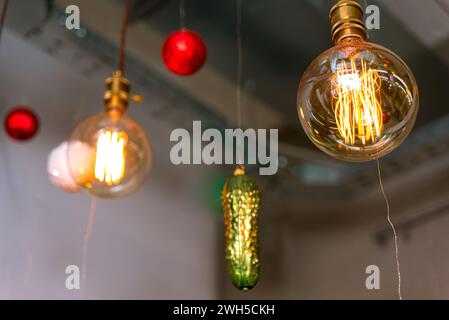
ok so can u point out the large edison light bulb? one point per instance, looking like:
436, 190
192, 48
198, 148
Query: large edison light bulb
356, 101
109, 154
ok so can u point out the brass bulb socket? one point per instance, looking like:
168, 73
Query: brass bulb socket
117, 94
346, 18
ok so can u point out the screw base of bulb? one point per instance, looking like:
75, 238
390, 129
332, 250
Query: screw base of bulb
346, 18
117, 94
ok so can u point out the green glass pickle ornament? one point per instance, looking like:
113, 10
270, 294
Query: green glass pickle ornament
241, 202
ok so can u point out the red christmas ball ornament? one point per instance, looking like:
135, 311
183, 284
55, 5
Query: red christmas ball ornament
184, 52
21, 124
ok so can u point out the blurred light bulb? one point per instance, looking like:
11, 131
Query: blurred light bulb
79, 158
356, 101
58, 170
121, 153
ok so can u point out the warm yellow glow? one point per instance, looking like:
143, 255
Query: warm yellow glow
357, 103
110, 157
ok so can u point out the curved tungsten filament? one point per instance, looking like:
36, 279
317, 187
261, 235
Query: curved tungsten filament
357, 104
110, 157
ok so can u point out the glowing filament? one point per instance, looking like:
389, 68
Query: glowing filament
110, 157
357, 103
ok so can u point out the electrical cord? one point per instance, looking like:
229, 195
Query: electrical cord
123, 34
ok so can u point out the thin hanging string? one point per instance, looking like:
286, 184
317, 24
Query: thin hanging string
86, 238
238, 94
396, 242
3, 16
123, 34
182, 14
238, 31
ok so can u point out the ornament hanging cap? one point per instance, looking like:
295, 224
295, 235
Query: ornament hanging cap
239, 171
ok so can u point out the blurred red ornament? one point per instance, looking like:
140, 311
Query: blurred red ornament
184, 52
21, 124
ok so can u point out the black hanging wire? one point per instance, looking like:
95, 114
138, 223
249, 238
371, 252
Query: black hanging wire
123, 34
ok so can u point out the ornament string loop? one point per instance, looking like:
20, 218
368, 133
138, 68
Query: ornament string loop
182, 14
238, 30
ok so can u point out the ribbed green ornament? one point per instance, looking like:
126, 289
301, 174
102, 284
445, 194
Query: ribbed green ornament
241, 202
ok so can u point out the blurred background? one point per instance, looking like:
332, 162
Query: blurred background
322, 222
